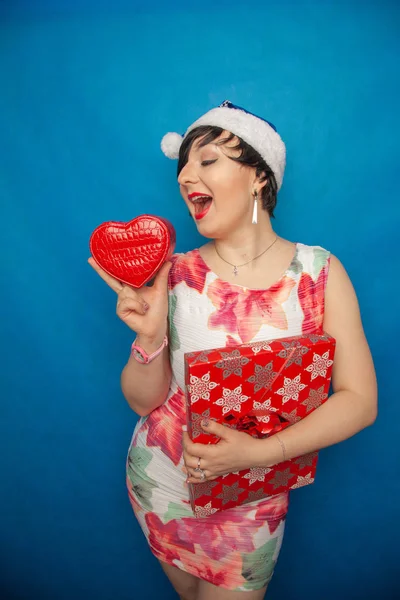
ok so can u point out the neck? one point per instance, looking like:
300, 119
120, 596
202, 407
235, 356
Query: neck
247, 242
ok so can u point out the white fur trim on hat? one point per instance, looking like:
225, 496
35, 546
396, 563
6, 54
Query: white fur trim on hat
170, 144
254, 131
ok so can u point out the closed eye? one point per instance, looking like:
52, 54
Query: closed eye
205, 163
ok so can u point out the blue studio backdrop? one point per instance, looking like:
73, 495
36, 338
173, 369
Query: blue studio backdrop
88, 89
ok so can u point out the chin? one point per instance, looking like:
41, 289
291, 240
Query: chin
215, 230
206, 232
210, 230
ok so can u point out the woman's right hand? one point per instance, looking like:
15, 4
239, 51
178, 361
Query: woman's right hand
144, 310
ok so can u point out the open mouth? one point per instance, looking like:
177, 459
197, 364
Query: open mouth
201, 204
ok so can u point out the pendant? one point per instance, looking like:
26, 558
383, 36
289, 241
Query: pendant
235, 271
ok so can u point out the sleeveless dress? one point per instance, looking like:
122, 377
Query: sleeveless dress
237, 548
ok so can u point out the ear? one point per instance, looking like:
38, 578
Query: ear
259, 182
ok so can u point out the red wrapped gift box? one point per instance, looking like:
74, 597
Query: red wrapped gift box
260, 388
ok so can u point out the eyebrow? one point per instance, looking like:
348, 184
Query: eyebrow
196, 145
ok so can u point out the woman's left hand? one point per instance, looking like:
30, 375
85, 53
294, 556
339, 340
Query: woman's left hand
235, 451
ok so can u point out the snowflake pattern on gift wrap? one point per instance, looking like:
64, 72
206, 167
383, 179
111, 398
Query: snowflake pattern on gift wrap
232, 363
256, 495
196, 423
230, 493
315, 399
263, 377
205, 511
200, 387
319, 365
256, 474
318, 338
232, 473
203, 489
263, 419
291, 388
295, 357
292, 417
266, 405
307, 460
281, 478
258, 346
200, 358
301, 481
231, 399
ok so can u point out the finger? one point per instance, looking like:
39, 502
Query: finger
193, 461
113, 283
194, 449
197, 478
161, 280
128, 292
209, 477
217, 429
190, 447
131, 305
191, 465
185, 440
186, 456
191, 474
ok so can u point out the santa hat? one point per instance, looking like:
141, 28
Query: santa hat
255, 131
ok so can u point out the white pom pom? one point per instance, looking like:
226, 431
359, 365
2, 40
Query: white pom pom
170, 144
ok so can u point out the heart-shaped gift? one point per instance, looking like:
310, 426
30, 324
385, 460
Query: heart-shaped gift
133, 252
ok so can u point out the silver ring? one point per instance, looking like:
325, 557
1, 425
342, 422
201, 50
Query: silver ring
203, 475
198, 469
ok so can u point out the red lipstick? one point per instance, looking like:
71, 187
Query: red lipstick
202, 214
201, 203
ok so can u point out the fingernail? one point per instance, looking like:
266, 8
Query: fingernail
184, 428
205, 422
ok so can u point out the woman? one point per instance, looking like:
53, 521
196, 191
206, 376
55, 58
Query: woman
245, 284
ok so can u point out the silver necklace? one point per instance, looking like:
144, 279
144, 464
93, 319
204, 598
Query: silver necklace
236, 267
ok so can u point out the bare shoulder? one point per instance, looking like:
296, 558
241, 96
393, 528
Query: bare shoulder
341, 303
339, 285
353, 366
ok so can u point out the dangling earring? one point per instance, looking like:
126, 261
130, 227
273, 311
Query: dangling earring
254, 220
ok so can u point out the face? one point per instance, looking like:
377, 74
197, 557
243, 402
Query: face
217, 190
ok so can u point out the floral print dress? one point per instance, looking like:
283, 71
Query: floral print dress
237, 548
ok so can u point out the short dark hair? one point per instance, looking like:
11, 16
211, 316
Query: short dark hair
248, 156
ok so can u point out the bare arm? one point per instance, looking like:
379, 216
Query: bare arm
145, 311
145, 387
353, 405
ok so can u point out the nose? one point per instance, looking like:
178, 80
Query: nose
188, 175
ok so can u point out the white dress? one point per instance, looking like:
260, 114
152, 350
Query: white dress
236, 548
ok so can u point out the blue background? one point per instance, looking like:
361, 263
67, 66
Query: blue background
86, 92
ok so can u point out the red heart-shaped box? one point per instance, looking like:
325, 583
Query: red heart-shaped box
133, 252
